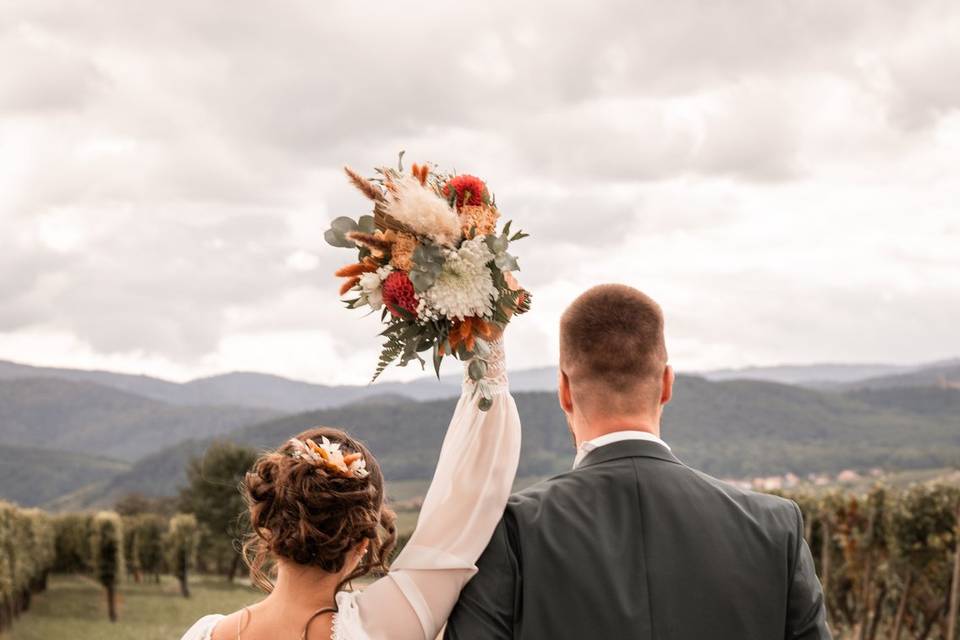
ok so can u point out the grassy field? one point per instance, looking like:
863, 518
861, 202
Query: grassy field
75, 607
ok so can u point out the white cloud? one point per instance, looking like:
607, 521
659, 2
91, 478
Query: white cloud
780, 175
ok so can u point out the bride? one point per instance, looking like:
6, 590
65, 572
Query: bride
318, 512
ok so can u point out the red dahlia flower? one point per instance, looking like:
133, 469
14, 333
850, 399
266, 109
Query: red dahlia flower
398, 293
467, 187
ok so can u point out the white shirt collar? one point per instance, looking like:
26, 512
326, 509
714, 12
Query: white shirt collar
609, 438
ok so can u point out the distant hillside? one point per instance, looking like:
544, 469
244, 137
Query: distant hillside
91, 418
138, 384
283, 395
941, 375
244, 389
735, 428
260, 390
32, 476
927, 401
807, 375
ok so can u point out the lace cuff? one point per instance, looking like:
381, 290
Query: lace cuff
495, 374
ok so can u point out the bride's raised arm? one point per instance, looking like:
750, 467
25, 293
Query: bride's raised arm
474, 476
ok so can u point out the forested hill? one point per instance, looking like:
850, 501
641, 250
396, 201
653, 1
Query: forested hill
95, 431
734, 428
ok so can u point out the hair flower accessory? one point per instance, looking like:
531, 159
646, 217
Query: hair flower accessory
432, 260
329, 456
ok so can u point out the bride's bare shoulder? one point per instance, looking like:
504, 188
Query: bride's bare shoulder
265, 624
227, 626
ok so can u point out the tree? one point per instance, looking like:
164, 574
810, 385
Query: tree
131, 549
151, 530
26, 554
107, 545
73, 533
922, 538
136, 504
182, 542
213, 495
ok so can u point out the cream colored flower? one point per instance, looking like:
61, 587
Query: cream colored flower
465, 286
371, 287
423, 211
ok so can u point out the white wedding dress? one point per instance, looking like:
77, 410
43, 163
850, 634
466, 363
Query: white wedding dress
473, 479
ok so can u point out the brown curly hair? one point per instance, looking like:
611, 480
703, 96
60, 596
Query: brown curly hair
310, 516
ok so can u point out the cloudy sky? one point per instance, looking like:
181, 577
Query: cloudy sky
781, 175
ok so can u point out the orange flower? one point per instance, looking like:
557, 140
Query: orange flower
349, 284
352, 273
420, 172
482, 218
352, 270
467, 331
401, 253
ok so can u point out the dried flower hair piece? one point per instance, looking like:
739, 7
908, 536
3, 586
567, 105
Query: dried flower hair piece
329, 456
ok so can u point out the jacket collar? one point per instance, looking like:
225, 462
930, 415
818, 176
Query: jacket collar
628, 449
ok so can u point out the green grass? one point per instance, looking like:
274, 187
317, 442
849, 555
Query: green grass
75, 607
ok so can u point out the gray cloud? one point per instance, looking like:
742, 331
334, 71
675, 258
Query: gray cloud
167, 170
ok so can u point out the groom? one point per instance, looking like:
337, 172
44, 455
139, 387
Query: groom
633, 543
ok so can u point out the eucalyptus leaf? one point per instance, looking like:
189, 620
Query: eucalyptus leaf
421, 280
484, 403
497, 244
336, 235
481, 348
477, 369
506, 262
344, 225
367, 224
334, 239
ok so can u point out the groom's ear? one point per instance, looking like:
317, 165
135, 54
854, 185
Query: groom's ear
564, 394
668, 378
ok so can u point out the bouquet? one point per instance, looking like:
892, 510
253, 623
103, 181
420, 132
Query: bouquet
432, 261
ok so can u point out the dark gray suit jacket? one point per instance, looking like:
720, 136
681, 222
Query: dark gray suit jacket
634, 544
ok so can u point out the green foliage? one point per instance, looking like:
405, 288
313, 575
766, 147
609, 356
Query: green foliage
428, 260
84, 418
107, 548
213, 495
150, 530
131, 548
73, 532
183, 539
26, 555
885, 558
336, 235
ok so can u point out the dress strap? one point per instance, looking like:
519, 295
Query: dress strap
318, 612
246, 610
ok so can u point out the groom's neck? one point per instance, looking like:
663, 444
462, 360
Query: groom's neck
590, 427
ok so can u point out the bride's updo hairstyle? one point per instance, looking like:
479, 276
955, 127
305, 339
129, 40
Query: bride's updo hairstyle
311, 515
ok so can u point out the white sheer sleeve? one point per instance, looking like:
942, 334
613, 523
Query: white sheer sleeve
203, 628
474, 476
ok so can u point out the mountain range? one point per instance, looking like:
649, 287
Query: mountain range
73, 438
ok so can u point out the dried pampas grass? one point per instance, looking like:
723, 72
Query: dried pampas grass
421, 210
366, 187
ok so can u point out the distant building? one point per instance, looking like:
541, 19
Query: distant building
848, 476
820, 479
769, 483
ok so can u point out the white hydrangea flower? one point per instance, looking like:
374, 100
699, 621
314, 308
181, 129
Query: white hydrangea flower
465, 286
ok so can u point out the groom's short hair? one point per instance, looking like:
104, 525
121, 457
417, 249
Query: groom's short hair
612, 336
